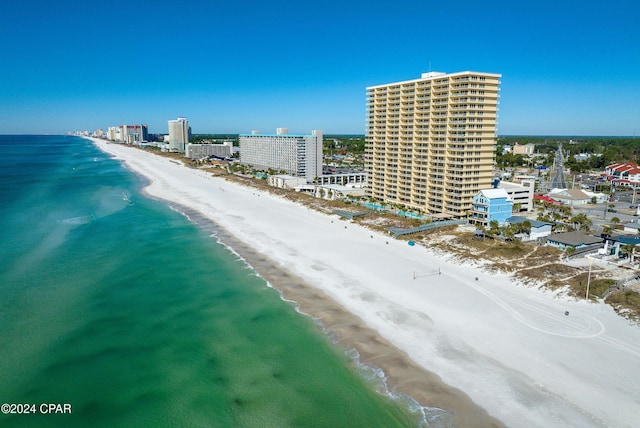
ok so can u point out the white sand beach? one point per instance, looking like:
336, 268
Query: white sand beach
509, 347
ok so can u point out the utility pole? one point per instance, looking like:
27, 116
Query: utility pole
588, 280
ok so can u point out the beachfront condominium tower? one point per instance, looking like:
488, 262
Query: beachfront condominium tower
295, 154
431, 141
178, 134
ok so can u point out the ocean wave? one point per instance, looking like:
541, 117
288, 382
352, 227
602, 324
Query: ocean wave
430, 417
80, 220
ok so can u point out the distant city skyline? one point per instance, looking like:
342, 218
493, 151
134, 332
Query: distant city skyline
568, 68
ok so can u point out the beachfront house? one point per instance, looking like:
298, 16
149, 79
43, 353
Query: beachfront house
614, 244
576, 240
539, 229
489, 205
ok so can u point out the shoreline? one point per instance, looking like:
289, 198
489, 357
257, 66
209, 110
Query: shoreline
507, 346
401, 375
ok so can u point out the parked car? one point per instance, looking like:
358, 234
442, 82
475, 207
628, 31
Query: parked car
633, 207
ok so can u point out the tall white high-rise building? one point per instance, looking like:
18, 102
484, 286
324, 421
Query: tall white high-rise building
178, 134
431, 141
295, 154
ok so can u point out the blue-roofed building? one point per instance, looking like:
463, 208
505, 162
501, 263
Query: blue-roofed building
489, 205
614, 243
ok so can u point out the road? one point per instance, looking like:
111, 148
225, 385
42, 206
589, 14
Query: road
558, 181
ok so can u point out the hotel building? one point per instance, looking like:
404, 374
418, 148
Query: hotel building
179, 133
199, 151
431, 141
295, 154
128, 134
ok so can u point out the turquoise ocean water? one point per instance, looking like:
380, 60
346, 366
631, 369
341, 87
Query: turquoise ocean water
118, 305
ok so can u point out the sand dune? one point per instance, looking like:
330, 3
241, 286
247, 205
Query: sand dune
509, 347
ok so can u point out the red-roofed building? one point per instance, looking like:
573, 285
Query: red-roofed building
627, 174
543, 198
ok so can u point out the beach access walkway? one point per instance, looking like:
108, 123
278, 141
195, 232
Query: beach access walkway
351, 215
433, 225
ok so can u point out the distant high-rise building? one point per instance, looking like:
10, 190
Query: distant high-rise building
112, 133
295, 154
133, 134
431, 141
179, 133
129, 134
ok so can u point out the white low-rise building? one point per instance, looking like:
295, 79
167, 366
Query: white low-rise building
569, 196
600, 197
539, 229
632, 227
283, 181
337, 191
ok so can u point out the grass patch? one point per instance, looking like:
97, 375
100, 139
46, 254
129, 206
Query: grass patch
554, 272
626, 300
597, 287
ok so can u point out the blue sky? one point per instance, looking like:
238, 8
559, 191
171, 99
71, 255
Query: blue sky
568, 67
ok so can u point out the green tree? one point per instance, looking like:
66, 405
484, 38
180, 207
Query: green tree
627, 250
581, 222
607, 231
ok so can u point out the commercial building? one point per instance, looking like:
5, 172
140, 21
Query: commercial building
179, 133
431, 141
627, 174
524, 149
520, 194
294, 154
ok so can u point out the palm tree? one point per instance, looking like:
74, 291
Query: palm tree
606, 231
581, 222
524, 227
628, 251
566, 210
